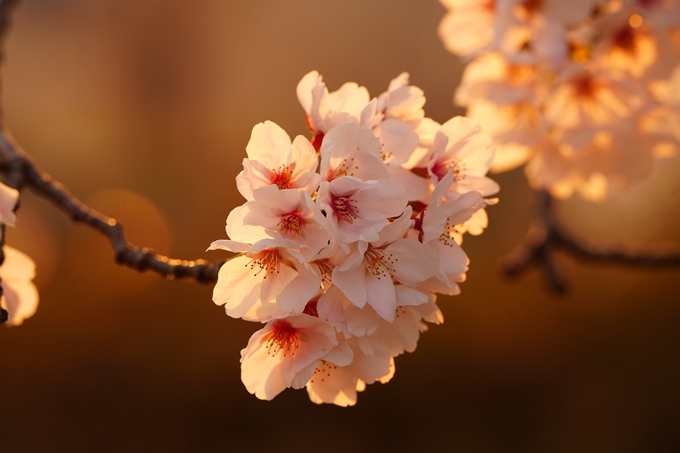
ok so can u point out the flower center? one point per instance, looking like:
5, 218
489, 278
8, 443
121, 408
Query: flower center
442, 167
283, 337
283, 177
344, 208
267, 261
326, 269
532, 6
624, 39
585, 87
291, 224
346, 168
378, 262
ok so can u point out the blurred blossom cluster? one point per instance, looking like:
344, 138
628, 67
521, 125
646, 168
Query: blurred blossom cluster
585, 92
19, 294
345, 238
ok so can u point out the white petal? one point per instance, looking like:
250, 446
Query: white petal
270, 145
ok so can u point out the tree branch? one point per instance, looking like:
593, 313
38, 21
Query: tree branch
546, 236
25, 173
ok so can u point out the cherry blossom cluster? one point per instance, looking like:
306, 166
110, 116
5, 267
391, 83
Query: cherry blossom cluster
584, 91
19, 294
345, 239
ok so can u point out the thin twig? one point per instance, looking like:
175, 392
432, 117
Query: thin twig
546, 235
138, 258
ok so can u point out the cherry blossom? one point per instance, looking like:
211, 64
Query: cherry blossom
578, 92
273, 160
358, 210
283, 348
344, 241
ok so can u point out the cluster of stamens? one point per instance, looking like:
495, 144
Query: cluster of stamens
385, 157
441, 168
445, 238
326, 269
344, 208
323, 371
284, 337
292, 224
378, 262
283, 177
267, 261
346, 168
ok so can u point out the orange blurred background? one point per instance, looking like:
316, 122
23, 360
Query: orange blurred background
143, 108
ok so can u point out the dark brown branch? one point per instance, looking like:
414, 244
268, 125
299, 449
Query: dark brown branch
139, 258
546, 236
25, 173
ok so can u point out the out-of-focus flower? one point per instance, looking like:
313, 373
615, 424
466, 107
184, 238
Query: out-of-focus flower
19, 294
343, 265
468, 26
579, 92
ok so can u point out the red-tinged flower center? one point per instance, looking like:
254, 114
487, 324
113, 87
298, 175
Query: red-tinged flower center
283, 337
379, 262
624, 39
532, 6
489, 5
344, 208
291, 224
283, 177
442, 167
585, 87
267, 261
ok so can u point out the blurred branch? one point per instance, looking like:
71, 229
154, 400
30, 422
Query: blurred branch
20, 171
546, 235
5, 20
